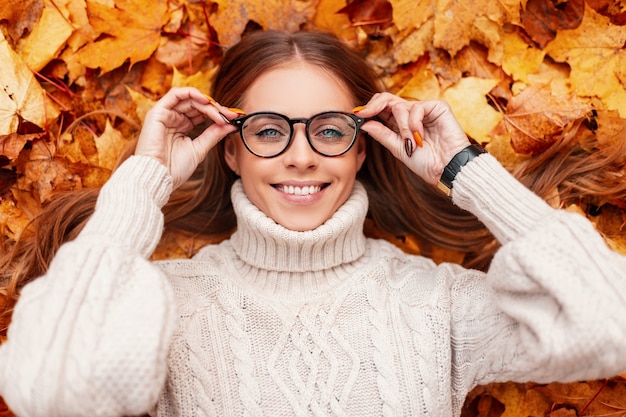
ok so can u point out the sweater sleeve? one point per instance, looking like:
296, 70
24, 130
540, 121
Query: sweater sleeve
91, 336
552, 306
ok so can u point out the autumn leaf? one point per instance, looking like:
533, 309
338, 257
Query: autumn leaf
536, 118
516, 57
411, 13
368, 12
110, 146
469, 104
615, 10
21, 96
232, 16
595, 54
543, 19
328, 19
458, 22
47, 39
21, 16
424, 84
130, 30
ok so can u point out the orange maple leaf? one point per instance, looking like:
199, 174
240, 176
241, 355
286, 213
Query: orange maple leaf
131, 30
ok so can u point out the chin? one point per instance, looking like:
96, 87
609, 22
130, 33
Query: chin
301, 226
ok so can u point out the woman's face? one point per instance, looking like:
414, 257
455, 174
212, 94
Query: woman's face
299, 189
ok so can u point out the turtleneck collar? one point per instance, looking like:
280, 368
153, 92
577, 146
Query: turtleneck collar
263, 244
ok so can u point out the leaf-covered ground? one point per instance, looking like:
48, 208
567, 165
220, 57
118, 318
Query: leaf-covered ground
78, 76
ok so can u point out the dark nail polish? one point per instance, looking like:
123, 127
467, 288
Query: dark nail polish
408, 147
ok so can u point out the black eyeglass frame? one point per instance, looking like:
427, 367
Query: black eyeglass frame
239, 122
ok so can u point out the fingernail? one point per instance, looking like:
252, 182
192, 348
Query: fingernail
358, 109
418, 139
236, 110
408, 147
211, 99
224, 118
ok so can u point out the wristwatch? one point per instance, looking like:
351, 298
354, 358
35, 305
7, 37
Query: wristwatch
454, 166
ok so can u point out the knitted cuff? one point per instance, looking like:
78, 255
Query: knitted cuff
486, 189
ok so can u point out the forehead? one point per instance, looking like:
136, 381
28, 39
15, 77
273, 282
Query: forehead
297, 89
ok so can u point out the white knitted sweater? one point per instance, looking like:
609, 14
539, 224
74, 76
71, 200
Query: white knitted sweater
274, 322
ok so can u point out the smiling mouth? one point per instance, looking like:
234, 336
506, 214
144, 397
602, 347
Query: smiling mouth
297, 190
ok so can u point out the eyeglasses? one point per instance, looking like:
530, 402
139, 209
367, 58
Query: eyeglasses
268, 134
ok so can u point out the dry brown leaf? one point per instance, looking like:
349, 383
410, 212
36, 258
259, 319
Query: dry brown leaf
536, 118
543, 19
615, 10
376, 13
21, 15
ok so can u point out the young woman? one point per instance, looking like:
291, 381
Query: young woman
298, 313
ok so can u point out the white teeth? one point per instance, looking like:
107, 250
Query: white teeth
306, 190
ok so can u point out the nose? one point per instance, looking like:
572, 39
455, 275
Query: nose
300, 154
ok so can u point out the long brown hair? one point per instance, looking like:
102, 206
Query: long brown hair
401, 204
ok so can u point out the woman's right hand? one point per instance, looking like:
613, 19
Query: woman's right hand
165, 132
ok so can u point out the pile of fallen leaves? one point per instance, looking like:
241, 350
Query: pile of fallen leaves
77, 77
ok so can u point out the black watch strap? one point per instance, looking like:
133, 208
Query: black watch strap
454, 166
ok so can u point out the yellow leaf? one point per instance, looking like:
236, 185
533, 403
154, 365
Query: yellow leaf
200, 80
423, 86
415, 45
469, 104
47, 37
110, 146
21, 95
517, 58
455, 20
232, 16
131, 30
411, 13
142, 103
596, 56
326, 18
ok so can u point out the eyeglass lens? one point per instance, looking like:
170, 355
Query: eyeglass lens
268, 134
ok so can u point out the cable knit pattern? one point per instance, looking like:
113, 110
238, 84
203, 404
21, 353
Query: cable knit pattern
387, 379
319, 323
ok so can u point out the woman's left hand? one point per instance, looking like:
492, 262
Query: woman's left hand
427, 129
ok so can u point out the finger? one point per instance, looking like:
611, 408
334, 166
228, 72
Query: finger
210, 137
386, 137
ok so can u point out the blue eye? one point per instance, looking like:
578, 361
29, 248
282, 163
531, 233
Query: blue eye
270, 134
330, 133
